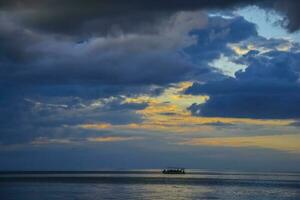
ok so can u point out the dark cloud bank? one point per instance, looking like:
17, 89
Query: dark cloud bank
268, 89
68, 16
50, 41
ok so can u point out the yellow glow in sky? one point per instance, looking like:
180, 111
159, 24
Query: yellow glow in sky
290, 143
242, 50
168, 113
110, 139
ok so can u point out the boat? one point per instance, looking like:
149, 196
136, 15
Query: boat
173, 170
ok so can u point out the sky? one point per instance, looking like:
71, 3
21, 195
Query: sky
140, 84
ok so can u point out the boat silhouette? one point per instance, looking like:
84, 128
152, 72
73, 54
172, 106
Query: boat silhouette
173, 170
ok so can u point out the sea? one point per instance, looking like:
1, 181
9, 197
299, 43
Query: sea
148, 184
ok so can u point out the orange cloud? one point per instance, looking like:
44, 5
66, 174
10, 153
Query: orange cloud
98, 126
111, 139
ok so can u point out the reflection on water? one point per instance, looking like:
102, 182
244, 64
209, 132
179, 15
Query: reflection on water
281, 187
142, 191
177, 192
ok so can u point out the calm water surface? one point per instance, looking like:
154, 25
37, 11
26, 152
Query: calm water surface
149, 185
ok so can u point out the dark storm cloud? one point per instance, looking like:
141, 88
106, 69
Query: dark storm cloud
28, 57
31, 58
34, 57
106, 16
102, 17
290, 9
268, 89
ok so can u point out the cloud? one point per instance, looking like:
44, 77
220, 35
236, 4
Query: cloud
267, 89
179, 51
77, 76
290, 10
32, 58
101, 17
296, 124
52, 80
47, 141
213, 40
219, 124
111, 139
29, 119
113, 16
171, 117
